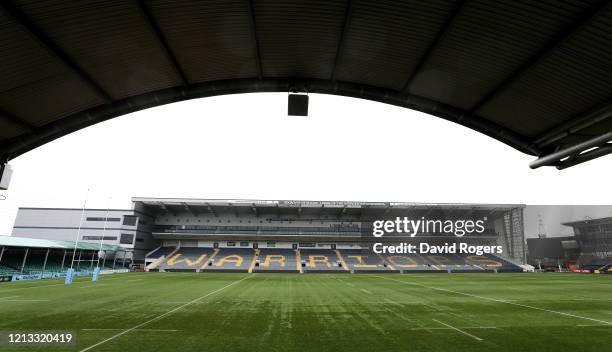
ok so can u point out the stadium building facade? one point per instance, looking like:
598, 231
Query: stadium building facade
594, 239
590, 247
125, 228
176, 234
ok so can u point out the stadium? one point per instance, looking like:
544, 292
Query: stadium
185, 274
269, 274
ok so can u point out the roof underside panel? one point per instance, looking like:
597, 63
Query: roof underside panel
211, 39
534, 74
35, 85
572, 79
486, 43
384, 41
298, 38
109, 39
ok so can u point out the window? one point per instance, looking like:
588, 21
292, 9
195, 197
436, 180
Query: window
307, 244
130, 220
98, 238
103, 219
271, 244
231, 244
244, 244
126, 238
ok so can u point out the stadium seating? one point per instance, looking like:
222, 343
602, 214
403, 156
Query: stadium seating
491, 262
408, 262
8, 270
322, 260
35, 263
449, 261
282, 260
11, 262
161, 251
187, 259
318, 260
231, 260
364, 261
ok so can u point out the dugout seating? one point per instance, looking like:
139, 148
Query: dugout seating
280, 260
321, 260
231, 260
358, 260
187, 259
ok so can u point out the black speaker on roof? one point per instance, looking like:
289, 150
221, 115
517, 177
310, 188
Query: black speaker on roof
297, 105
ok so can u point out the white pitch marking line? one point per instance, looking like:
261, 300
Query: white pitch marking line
463, 327
458, 330
8, 297
366, 291
592, 325
163, 315
500, 301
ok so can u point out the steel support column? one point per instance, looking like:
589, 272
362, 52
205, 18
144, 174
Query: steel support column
25, 257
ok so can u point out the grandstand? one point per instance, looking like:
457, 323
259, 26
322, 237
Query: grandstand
204, 235
21, 256
589, 249
227, 235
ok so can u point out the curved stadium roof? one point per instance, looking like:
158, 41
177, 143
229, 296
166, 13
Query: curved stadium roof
534, 74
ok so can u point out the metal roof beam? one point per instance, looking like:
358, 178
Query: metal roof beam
342, 211
576, 154
38, 34
574, 125
24, 125
544, 51
189, 209
253, 25
163, 42
234, 209
211, 210
165, 208
348, 13
434, 43
586, 156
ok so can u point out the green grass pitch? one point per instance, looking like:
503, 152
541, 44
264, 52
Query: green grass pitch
316, 312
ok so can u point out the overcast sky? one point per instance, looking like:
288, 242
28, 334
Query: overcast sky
245, 146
